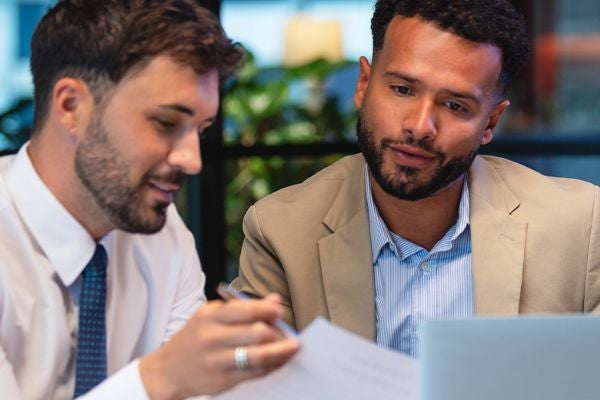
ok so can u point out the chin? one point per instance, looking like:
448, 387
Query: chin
157, 218
152, 226
148, 221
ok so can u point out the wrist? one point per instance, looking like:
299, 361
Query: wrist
156, 379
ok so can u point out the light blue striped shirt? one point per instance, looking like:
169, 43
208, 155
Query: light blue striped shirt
412, 284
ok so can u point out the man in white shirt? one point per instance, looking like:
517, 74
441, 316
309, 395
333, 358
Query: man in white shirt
123, 91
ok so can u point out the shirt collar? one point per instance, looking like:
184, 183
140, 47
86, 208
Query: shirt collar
380, 234
464, 211
66, 243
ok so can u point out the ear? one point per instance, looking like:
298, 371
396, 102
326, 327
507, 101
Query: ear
493, 119
364, 74
72, 105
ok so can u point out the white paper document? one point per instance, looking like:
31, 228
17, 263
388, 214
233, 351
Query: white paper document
335, 364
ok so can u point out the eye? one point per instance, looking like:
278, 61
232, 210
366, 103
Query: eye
454, 106
164, 122
400, 89
165, 125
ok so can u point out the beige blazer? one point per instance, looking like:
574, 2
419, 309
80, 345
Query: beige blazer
535, 245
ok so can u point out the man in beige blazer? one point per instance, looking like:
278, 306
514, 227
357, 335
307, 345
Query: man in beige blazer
430, 98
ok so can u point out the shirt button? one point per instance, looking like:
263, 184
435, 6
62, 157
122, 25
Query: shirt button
425, 267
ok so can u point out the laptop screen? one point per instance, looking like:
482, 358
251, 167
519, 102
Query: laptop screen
529, 358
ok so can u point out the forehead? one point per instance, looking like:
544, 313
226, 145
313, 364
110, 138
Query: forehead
422, 50
164, 81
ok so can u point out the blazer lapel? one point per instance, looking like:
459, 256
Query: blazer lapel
497, 241
498, 246
345, 257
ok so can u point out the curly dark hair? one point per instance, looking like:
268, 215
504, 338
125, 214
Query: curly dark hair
101, 41
484, 21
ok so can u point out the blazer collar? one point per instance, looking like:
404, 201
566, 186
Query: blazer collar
497, 241
498, 247
345, 255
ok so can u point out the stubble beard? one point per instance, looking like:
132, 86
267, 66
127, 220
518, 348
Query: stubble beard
104, 172
405, 182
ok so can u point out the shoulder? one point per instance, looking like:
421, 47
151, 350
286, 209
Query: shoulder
5, 163
337, 191
536, 194
524, 180
317, 189
307, 203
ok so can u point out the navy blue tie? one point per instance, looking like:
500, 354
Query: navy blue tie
90, 367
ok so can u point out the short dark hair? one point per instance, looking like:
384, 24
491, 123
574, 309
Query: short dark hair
100, 41
484, 21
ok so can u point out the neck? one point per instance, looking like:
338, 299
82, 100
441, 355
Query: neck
423, 222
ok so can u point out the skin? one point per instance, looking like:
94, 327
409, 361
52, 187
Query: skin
133, 121
140, 141
429, 101
200, 358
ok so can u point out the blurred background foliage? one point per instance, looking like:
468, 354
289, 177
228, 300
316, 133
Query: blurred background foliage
15, 125
276, 106
291, 105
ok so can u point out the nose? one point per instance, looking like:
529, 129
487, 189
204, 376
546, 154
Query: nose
185, 154
420, 120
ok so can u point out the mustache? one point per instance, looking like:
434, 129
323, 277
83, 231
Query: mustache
363, 130
411, 141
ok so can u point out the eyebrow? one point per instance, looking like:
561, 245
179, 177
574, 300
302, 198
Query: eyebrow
395, 74
178, 108
416, 81
186, 110
462, 95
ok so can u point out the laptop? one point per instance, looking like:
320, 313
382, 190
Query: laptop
524, 358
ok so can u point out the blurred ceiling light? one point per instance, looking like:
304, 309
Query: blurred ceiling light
307, 39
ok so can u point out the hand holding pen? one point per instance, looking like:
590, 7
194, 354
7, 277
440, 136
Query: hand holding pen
227, 293
229, 342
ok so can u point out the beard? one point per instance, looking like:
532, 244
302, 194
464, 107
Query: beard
410, 183
104, 172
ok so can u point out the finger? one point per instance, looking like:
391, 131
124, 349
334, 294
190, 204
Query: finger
245, 311
270, 355
231, 335
273, 298
263, 357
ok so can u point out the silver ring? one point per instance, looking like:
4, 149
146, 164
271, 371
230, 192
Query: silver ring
241, 358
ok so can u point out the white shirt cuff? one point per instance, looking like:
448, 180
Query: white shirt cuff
124, 384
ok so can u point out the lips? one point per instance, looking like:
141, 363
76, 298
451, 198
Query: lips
164, 189
412, 156
165, 186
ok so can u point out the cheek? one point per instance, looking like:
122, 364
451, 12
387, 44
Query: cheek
140, 143
144, 159
381, 121
461, 145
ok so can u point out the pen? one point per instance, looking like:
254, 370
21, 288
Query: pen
227, 293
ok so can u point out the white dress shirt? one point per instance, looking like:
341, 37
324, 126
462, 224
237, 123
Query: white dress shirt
154, 283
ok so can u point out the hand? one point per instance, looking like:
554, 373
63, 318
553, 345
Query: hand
199, 359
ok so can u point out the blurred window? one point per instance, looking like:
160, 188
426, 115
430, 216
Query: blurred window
261, 25
17, 22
